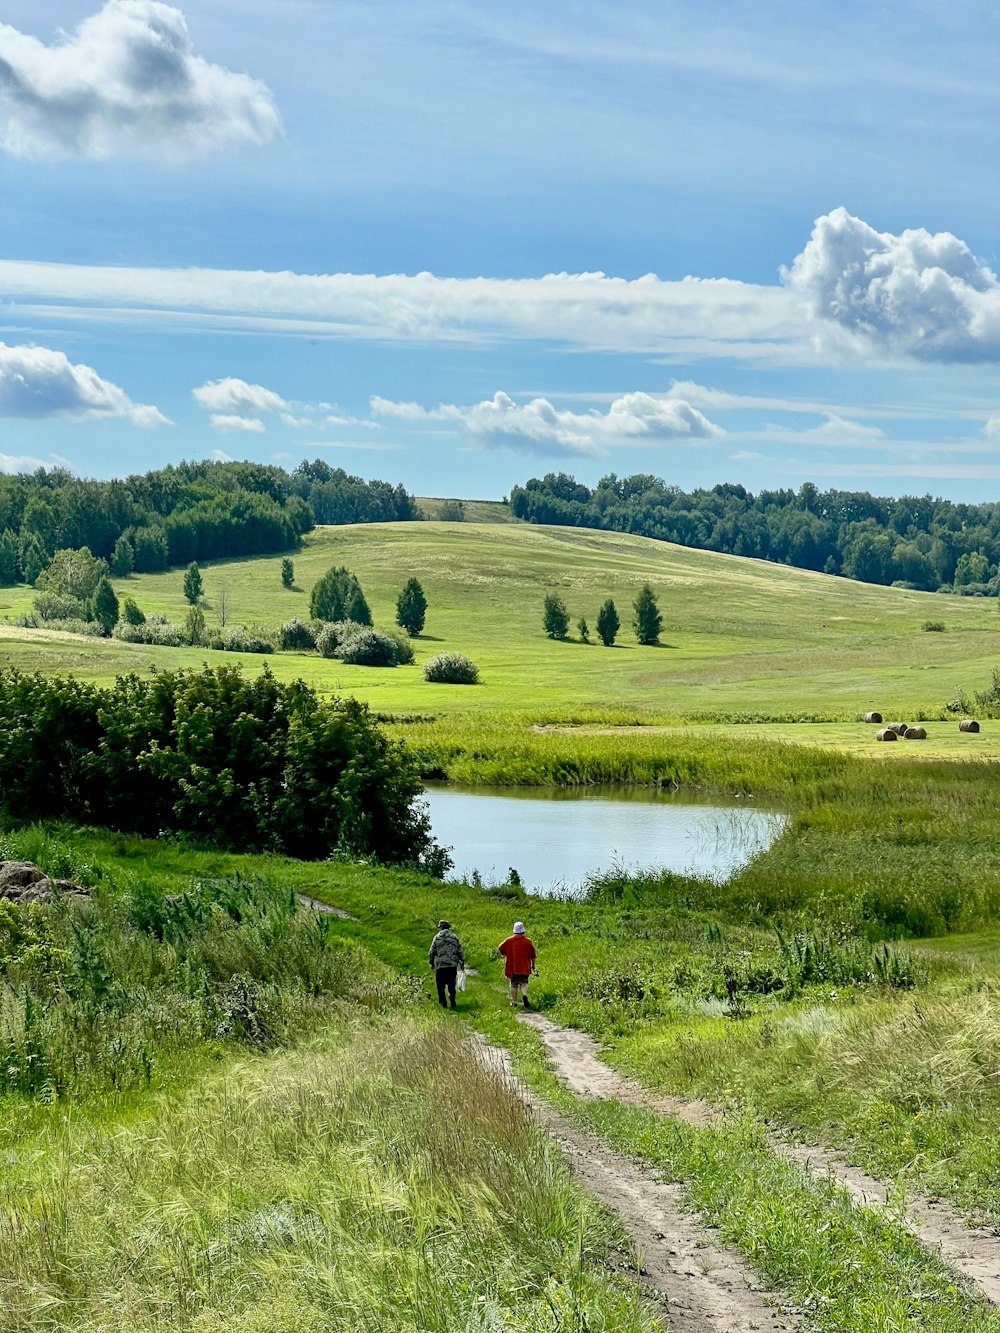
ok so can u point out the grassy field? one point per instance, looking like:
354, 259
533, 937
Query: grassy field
743, 640
318, 1176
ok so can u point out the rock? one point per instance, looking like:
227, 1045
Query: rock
24, 882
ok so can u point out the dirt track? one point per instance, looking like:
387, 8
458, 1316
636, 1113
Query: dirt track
706, 1288
974, 1252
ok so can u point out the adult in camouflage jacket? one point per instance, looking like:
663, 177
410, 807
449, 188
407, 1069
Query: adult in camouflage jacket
446, 957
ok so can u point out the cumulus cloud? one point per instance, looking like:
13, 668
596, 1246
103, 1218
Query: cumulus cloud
539, 427
40, 382
991, 429
220, 456
917, 294
834, 430
125, 82
229, 424
237, 397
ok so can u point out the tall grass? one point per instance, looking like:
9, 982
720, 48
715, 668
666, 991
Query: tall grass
95, 992
361, 1183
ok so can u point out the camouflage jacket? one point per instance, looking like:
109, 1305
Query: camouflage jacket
446, 951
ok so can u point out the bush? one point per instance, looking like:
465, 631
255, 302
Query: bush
331, 636
267, 767
297, 635
934, 626
287, 573
156, 630
369, 647
72, 625
608, 623
131, 613
59, 606
451, 669
240, 639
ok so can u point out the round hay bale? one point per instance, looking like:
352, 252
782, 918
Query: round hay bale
915, 734
898, 727
886, 734
970, 724
873, 717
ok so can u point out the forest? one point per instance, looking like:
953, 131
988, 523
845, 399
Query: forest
910, 542
176, 514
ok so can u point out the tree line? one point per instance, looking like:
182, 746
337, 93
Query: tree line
911, 541
187, 512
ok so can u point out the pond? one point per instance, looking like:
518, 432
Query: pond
555, 837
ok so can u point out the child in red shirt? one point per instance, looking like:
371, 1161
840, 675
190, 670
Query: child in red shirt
519, 953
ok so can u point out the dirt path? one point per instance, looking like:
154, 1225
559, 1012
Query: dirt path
304, 900
707, 1288
972, 1251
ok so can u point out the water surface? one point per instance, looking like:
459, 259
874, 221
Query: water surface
555, 837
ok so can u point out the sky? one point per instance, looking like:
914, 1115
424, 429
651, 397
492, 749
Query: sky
458, 244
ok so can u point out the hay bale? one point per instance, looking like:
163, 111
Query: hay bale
915, 734
898, 727
886, 734
970, 724
874, 717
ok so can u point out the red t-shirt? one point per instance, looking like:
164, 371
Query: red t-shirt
519, 953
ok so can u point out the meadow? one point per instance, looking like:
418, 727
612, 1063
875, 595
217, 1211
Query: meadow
218, 1107
743, 640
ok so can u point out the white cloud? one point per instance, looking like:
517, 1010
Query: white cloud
237, 397
220, 456
834, 430
538, 427
992, 428
587, 310
40, 382
125, 82
385, 407
917, 294
745, 456
852, 292
229, 424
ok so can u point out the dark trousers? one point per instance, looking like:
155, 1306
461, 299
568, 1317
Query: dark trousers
445, 978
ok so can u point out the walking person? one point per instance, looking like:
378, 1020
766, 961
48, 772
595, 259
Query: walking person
520, 955
446, 957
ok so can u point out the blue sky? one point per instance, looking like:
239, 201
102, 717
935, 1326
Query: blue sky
457, 244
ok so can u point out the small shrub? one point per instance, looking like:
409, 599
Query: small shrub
451, 669
452, 511
297, 635
155, 630
934, 626
131, 613
59, 606
369, 647
287, 573
331, 636
583, 629
240, 639
91, 628
608, 623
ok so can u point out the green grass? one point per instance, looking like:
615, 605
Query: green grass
742, 638
331, 1187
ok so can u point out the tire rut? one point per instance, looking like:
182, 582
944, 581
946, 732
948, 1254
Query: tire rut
971, 1251
707, 1288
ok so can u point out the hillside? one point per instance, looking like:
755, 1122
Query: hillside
743, 639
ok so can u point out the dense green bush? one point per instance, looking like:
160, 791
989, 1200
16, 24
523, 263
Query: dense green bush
451, 669
371, 648
331, 637
59, 606
297, 635
242, 764
154, 629
240, 639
